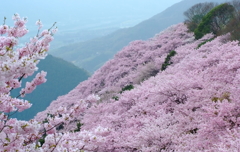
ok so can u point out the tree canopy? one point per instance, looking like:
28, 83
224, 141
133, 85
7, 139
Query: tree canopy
195, 14
215, 20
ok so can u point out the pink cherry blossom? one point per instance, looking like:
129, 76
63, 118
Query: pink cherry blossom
15, 65
3, 29
193, 105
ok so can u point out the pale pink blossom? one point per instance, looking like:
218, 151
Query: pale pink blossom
3, 29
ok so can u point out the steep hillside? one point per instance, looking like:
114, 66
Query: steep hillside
176, 92
92, 54
132, 103
135, 63
62, 77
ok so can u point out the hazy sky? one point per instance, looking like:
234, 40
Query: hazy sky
69, 13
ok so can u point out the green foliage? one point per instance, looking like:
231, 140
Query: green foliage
128, 87
215, 20
60, 126
79, 125
197, 18
41, 141
195, 14
50, 115
209, 40
167, 61
45, 120
233, 28
194, 24
116, 98
201, 30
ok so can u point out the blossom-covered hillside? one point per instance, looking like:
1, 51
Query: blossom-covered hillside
133, 64
148, 99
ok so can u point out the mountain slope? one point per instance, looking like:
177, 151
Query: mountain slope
62, 77
133, 64
92, 54
192, 105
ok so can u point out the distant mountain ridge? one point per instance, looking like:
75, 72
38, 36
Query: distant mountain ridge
62, 77
92, 54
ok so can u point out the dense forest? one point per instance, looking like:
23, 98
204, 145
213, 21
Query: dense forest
178, 91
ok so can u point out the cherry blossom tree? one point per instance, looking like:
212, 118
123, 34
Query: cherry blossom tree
192, 105
131, 103
17, 63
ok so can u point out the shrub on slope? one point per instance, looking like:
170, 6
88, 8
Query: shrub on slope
214, 21
193, 105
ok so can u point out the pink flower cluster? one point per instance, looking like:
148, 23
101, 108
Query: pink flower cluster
15, 64
30, 86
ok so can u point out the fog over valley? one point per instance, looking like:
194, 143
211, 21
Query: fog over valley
81, 20
84, 14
